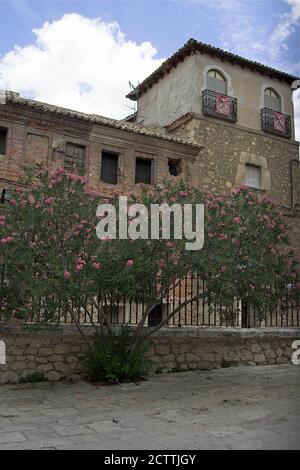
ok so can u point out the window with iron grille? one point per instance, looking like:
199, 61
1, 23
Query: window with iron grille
3, 140
75, 158
109, 167
253, 176
143, 171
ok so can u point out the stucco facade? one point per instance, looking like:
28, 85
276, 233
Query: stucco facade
179, 92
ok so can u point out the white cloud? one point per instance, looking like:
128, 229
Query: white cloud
80, 63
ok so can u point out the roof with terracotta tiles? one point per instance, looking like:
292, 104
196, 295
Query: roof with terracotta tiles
123, 125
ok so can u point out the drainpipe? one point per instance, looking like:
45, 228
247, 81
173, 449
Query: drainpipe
293, 206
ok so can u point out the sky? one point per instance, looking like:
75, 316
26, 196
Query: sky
82, 54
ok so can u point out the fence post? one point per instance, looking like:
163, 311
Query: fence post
245, 316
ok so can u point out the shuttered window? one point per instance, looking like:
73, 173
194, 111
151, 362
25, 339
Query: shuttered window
143, 171
3, 139
216, 82
272, 100
75, 158
253, 176
109, 168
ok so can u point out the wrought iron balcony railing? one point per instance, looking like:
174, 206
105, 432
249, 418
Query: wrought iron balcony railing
276, 123
218, 105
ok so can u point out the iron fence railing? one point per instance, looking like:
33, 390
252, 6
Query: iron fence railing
218, 105
276, 123
199, 312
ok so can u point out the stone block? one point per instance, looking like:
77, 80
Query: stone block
45, 352
53, 376
259, 358
256, 348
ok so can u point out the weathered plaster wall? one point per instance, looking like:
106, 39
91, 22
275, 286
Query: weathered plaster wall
179, 92
58, 351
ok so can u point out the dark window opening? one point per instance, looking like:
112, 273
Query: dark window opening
6, 195
155, 316
143, 171
75, 158
3, 139
109, 168
174, 167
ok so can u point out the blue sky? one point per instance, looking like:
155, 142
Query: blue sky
85, 60
166, 24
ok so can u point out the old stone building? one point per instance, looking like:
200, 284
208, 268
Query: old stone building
208, 116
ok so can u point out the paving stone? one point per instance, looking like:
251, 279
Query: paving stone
233, 408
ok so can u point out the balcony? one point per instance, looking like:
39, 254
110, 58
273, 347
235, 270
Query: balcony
218, 105
276, 123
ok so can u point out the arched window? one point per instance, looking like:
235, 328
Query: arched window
216, 82
272, 99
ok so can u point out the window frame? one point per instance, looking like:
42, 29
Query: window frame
274, 95
176, 163
76, 144
6, 130
259, 168
222, 80
117, 154
140, 159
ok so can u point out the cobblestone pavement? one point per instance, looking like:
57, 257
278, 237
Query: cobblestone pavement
236, 408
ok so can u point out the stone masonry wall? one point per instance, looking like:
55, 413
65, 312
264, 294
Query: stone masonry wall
57, 352
227, 148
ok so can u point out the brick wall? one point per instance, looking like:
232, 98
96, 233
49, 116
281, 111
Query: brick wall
57, 352
35, 136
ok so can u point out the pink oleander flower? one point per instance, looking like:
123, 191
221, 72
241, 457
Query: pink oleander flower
183, 194
67, 274
162, 263
209, 204
79, 267
97, 265
223, 268
236, 220
49, 201
210, 235
13, 202
130, 262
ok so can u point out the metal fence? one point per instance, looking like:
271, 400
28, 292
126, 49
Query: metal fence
196, 313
